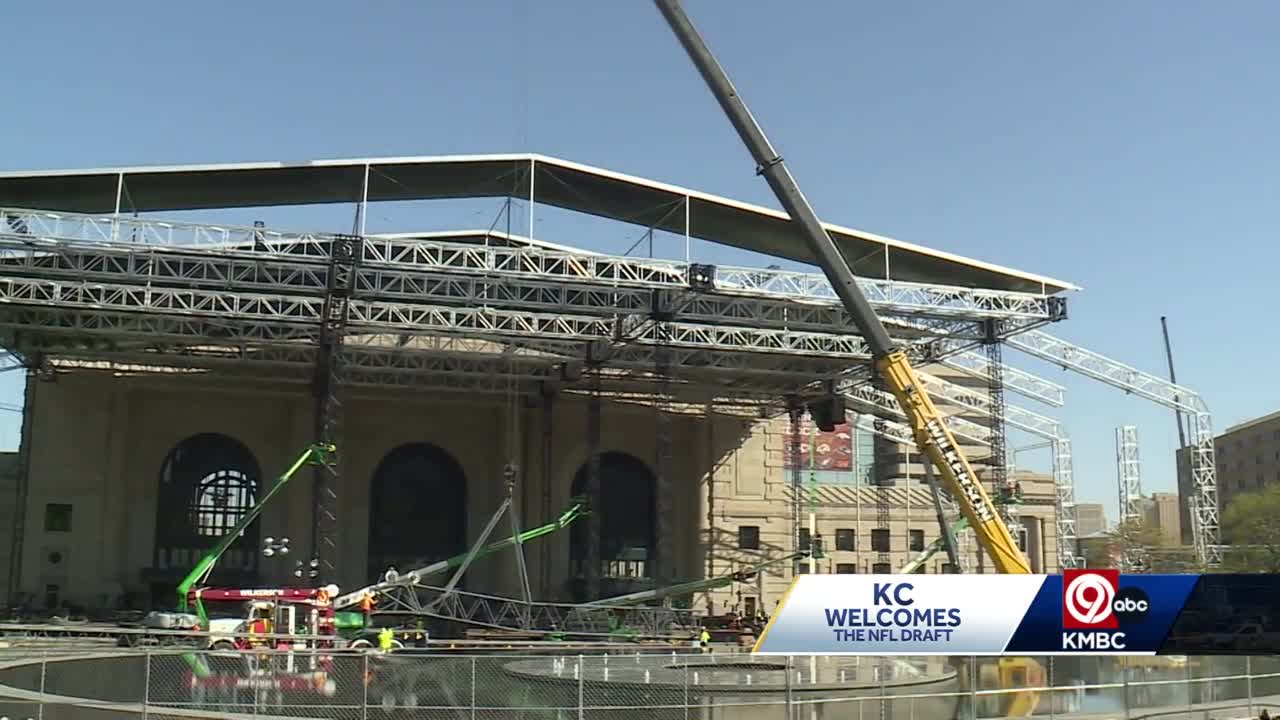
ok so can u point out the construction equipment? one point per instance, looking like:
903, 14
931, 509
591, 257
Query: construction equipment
931, 433
933, 548
1173, 378
395, 580
282, 606
697, 586
183, 618
285, 614
313, 454
1019, 681
619, 617
327, 606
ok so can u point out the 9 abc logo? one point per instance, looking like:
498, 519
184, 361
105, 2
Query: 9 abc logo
1093, 600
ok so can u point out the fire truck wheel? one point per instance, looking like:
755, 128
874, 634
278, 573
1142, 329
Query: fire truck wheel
361, 644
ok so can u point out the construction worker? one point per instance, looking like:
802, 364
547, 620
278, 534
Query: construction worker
259, 627
367, 601
704, 640
385, 637
421, 637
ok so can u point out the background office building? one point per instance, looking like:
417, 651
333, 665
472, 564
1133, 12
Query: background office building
1248, 457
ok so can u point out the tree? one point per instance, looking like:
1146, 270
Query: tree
1251, 531
1100, 551
1153, 550
1148, 545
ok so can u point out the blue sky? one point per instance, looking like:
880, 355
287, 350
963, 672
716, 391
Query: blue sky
1127, 147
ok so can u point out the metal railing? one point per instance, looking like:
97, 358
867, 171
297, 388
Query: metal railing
64, 679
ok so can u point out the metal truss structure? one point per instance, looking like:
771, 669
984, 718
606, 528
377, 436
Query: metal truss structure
340, 281
1129, 478
1204, 479
882, 404
500, 613
997, 462
795, 416
251, 293
595, 520
1019, 381
664, 565
492, 313
1129, 474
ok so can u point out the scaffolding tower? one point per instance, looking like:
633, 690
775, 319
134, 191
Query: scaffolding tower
341, 283
1129, 478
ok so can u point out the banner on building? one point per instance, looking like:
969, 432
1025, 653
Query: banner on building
818, 450
1090, 612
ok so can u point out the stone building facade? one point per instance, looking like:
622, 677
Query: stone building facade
868, 524
105, 451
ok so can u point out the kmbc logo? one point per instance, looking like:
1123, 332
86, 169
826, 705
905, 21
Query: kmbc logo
1093, 600
1087, 597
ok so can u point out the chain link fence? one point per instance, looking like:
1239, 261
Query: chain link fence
101, 683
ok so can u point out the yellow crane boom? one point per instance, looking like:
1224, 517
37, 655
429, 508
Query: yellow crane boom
931, 433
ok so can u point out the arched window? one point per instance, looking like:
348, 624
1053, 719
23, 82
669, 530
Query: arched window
628, 511
417, 509
208, 482
222, 499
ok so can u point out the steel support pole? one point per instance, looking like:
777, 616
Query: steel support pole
364, 201
1053, 697
548, 422
973, 687
794, 414
1124, 684
25, 442
1248, 675
790, 712
591, 573
345, 253
522, 570
533, 171
582, 677
146, 685
663, 563
44, 674
476, 547
686, 689
688, 250
115, 215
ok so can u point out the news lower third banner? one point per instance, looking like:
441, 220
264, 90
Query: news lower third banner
1089, 612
